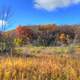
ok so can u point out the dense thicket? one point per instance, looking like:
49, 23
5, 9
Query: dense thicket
48, 35
41, 35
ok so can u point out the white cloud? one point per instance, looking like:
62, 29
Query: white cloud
54, 4
2, 22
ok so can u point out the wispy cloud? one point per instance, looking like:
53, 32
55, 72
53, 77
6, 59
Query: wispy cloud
51, 5
2, 22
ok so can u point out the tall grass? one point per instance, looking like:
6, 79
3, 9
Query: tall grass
46, 67
34, 50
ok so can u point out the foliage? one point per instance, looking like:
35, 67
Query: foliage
47, 35
18, 42
48, 28
44, 35
24, 33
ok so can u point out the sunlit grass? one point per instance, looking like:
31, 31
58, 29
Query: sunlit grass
34, 50
56, 67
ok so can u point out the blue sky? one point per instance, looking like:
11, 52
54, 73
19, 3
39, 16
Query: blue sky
34, 12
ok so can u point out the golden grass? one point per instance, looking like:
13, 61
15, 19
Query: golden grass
56, 67
34, 50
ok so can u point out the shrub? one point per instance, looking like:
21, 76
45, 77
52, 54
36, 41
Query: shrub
18, 42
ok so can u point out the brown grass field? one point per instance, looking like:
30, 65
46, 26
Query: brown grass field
43, 67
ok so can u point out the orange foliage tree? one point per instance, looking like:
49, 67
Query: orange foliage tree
24, 33
48, 28
64, 38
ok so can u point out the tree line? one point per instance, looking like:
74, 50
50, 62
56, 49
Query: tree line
47, 35
40, 35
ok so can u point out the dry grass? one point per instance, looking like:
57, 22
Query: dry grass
56, 67
34, 50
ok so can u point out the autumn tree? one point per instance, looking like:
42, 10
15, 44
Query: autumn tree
48, 27
24, 33
66, 34
5, 15
77, 33
47, 34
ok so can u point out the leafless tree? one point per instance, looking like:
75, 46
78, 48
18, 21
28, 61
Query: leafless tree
5, 15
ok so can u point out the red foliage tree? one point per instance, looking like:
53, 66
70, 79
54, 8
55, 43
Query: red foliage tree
48, 28
24, 33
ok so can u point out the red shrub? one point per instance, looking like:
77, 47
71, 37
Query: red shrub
23, 32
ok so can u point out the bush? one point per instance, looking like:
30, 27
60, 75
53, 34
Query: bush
18, 42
